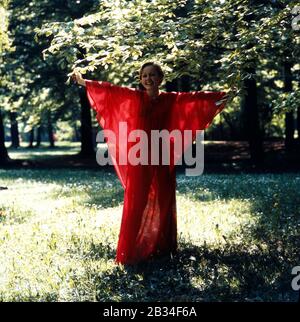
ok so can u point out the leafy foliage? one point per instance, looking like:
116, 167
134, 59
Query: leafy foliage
34, 87
213, 43
4, 40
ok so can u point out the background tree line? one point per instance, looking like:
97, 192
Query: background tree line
201, 44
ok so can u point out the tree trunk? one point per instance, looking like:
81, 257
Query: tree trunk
298, 125
289, 116
50, 131
38, 136
3, 151
87, 148
251, 126
14, 131
31, 138
233, 132
76, 133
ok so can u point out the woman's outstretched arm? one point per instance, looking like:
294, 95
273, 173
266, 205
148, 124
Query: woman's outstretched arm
77, 77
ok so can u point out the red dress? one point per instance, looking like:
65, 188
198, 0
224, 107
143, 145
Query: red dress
148, 226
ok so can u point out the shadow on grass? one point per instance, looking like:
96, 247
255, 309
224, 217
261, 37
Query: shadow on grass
194, 274
274, 201
107, 199
258, 269
261, 266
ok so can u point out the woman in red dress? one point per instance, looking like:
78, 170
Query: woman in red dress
148, 226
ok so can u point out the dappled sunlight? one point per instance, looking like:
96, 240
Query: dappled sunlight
47, 249
70, 69
59, 231
35, 197
211, 222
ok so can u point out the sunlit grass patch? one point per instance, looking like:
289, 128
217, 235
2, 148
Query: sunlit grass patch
60, 149
14, 214
211, 221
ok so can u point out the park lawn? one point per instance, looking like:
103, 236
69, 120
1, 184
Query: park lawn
238, 239
62, 148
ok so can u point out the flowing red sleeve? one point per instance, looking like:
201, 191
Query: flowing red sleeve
98, 94
191, 112
114, 104
195, 110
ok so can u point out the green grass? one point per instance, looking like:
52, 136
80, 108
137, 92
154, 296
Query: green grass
60, 149
238, 239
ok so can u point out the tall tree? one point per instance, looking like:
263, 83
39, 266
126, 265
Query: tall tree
4, 46
289, 116
4, 39
3, 150
14, 130
40, 83
87, 148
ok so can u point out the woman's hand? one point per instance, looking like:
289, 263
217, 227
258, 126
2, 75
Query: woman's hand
77, 78
233, 91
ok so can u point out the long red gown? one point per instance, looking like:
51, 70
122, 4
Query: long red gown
148, 226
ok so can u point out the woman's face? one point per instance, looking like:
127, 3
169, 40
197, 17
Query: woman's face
150, 78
